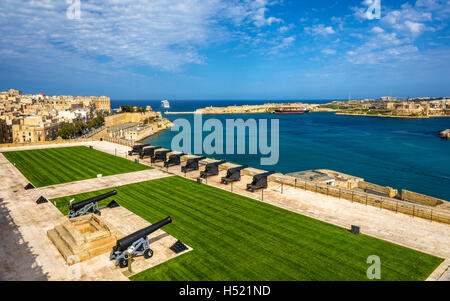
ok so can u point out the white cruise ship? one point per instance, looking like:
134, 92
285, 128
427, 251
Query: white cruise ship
165, 104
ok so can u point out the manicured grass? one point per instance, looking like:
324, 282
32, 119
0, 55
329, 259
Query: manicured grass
43, 167
238, 238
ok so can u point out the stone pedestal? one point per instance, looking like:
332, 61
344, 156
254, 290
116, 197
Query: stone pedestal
83, 237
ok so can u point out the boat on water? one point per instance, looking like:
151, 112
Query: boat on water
165, 104
291, 111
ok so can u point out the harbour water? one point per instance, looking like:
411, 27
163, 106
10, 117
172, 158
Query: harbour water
395, 152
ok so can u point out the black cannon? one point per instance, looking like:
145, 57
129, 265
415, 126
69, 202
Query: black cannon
191, 164
174, 160
89, 205
148, 152
259, 181
161, 156
136, 243
211, 169
137, 149
233, 174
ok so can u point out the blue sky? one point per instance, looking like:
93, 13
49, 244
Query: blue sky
225, 49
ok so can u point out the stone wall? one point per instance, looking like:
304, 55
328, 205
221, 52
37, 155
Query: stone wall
137, 117
413, 196
391, 192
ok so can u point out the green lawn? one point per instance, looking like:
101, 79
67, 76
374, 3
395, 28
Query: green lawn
44, 167
238, 238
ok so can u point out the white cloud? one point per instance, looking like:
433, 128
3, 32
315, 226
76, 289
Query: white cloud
253, 11
328, 51
408, 20
284, 44
393, 37
284, 28
339, 21
377, 29
415, 27
163, 34
381, 48
320, 29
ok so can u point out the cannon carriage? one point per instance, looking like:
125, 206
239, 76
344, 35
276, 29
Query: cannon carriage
259, 181
192, 164
211, 169
233, 175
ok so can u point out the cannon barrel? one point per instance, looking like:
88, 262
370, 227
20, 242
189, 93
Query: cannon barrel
163, 152
177, 155
262, 175
81, 204
140, 146
216, 163
239, 168
124, 243
236, 169
151, 148
195, 159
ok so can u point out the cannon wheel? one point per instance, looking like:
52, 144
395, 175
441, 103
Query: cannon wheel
123, 263
148, 253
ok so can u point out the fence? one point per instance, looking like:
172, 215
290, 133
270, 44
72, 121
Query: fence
415, 210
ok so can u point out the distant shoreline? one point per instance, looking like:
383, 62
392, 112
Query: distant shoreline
392, 116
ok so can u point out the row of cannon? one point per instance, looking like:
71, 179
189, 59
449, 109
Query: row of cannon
211, 169
137, 243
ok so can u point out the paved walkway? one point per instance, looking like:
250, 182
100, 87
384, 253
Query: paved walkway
95, 184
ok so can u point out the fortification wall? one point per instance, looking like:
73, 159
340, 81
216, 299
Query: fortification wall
123, 118
391, 192
413, 196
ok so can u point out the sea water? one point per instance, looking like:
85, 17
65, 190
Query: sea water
396, 152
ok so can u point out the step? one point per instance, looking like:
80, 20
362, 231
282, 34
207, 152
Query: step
101, 247
60, 244
66, 236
